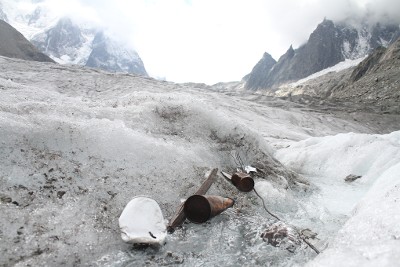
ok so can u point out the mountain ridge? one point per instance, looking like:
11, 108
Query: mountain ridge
329, 44
67, 41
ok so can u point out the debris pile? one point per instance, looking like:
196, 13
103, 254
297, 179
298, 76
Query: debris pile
280, 234
142, 222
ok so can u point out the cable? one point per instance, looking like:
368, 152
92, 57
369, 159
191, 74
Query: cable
270, 213
301, 235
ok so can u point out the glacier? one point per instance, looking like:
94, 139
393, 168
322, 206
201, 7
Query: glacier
78, 144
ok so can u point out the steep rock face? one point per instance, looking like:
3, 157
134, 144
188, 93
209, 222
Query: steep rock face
61, 41
262, 67
367, 64
111, 56
328, 45
376, 79
13, 44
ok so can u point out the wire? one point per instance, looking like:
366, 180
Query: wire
276, 217
265, 207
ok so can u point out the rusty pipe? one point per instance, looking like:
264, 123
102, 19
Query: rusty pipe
201, 208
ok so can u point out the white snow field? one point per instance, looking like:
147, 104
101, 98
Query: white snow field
77, 144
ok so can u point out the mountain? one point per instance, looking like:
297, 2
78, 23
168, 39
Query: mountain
372, 85
328, 45
110, 55
61, 41
68, 41
375, 79
263, 66
3, 15
13, 44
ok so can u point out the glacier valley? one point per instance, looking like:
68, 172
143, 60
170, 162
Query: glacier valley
77, 144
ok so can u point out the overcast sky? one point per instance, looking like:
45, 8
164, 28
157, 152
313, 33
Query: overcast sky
216, 40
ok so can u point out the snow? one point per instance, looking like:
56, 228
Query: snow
76, 145
347, 63
370, 236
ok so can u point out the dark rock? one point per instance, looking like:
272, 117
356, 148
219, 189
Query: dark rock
367, 64
5, 199
60, 194
14, 45
352, 177
263, 67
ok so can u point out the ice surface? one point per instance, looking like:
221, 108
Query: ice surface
77, 144
370, 236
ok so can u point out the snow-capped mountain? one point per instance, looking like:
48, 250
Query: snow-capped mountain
329, 44
110, 55
65, 42
3, 15
68, 41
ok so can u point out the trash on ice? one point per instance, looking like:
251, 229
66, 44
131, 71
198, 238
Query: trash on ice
142, 222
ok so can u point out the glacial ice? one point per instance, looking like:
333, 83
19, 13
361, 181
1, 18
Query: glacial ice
76, 145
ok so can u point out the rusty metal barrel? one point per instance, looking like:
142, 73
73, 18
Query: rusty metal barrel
242, 181
200, 208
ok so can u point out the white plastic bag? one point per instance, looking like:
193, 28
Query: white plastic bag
142, 222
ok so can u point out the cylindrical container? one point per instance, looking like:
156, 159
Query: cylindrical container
200, 208
242, 181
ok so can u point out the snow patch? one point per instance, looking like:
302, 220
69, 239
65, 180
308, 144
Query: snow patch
348, 63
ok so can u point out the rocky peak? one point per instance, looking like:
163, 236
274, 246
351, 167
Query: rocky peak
327, 45
288, 55
60, 41
110, 55
260, 69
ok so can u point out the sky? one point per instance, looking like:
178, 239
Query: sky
214, 41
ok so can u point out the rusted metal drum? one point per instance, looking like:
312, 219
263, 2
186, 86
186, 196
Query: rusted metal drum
242, 181
200, 208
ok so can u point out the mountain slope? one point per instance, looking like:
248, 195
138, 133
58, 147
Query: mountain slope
111, 56
376, 78
263, 66
13, 44
373, 85
328, 45
61, 41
